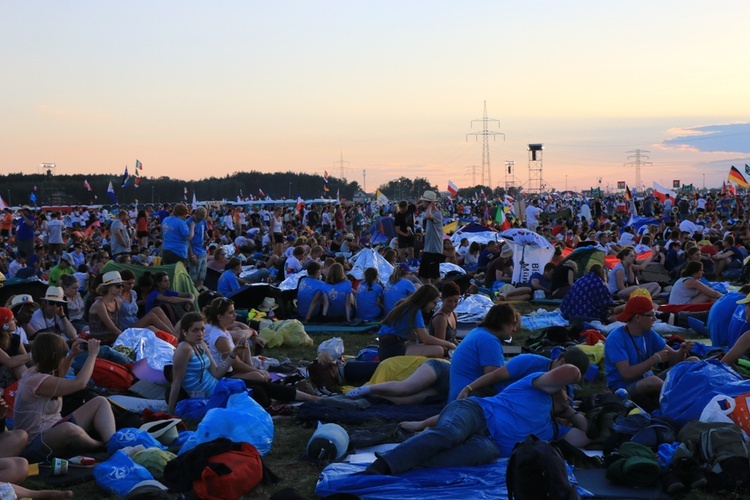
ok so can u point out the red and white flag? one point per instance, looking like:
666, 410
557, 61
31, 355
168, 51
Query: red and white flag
661, 192
452, 189
86, 185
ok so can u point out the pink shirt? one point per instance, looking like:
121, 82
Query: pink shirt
32, 413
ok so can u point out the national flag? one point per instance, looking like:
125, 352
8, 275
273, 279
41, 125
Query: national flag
736, 176
661, 192
195, 201
262, 194
138, 182
500, 218
452, 189
86, 185
138, 166
380, 198
300, 203
3, 205
628, 194
509, 199
125, 177
338, 195
32, 197
184, 194
111, 193
325, 177
325, 188
484, 195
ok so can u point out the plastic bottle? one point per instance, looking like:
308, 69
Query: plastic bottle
623, 395
7, 492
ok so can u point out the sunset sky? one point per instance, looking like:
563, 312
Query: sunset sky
196, 89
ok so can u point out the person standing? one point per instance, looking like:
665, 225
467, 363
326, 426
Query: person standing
532, 215
176, 235
55, 234
119, 235
25, 231
404, 226
197, 249
432, 255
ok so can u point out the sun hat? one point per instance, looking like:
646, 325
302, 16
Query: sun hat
349, 236
150, 487
506, 252
268, 304
55, 294
6, 315
23, 299
429, 196
111, 278
636, 305
67, 258
163, 431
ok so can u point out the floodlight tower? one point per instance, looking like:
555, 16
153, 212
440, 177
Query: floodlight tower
536, 165
510, 177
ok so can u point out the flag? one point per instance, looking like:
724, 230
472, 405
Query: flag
628, 194
300, 203
241, 195
3, 205
138, 166
262, 194
325, 188
484, 195
452, 189
747, 169
111, 193
661, 192
338, 195
137, 181
32, 197
325, 177
509, 199
86, 185
125, 177
500, 218
736, 176
380, 198
184, 194
195, 201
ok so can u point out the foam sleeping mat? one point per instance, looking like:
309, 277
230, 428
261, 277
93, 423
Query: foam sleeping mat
371, 326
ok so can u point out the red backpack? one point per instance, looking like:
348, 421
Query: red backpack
230, 475
112, 375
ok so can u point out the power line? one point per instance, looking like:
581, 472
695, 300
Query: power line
486, 133
637, 162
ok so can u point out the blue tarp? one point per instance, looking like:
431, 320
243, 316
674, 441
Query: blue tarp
476, 482
690, 386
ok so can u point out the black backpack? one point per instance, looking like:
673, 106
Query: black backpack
536, 470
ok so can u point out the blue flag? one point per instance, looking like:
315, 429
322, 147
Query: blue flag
33, 198
111, 193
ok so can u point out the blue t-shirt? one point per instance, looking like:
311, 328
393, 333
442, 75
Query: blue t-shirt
521, 409
404, 326
720, 317
337, 294
368, 307
395, 292
622, 346
478, 349
228, 283
525, 364
197, 243
542, 280
174, 233
25, 231
306, 291
151, 299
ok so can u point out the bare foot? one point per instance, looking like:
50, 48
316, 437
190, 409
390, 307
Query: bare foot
412, 426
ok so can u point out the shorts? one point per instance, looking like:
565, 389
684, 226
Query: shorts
390, 346
198, 270
36, 451
278, 238
429, 267
5, 233
443, 373
142, 234
406, 241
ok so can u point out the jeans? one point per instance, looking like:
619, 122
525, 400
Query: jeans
198, 269
460, 438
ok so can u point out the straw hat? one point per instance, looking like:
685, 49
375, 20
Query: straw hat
21, 300
429, 196
269, 304
111, 278
506, 252
55, 294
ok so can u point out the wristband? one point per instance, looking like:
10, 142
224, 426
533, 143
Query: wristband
658, 358
233, 356
471, 389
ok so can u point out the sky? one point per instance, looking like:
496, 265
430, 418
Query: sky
195, 89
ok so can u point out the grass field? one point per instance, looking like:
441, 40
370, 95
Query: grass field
291, 437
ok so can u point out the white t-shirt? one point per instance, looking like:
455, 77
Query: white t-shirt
54, 229
532, 214
212, 334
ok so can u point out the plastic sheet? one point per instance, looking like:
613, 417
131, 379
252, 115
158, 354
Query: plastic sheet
147, 345
289, 332
543, 319
242, 421
292, 281
477, 482
473, 308
447, 267
368, 257
690, 387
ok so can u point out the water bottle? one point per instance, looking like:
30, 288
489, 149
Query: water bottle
624, 397
7, 492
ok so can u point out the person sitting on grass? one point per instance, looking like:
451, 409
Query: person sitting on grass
405, 323
690, 290
370, 297
476, 431
633, 350
39, 401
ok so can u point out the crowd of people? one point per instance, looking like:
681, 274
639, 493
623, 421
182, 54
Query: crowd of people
88, 305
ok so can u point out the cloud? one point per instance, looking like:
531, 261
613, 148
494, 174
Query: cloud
729, 138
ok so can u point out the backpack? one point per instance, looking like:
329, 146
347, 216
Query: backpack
721, 450
112, 375
231, 474
536, 469
602, 410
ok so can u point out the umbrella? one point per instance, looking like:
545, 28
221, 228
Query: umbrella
531, 252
